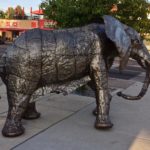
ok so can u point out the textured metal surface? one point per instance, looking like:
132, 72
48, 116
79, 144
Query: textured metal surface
42, 62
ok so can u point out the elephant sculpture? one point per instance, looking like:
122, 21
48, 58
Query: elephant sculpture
58, 60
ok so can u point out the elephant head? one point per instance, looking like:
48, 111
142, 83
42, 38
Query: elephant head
129, 44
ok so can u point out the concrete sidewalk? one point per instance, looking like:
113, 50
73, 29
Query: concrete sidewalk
67, 124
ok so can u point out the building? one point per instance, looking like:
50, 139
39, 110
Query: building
11, 28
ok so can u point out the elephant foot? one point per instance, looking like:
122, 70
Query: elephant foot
31, 112
12, 128
31, 115
103, 123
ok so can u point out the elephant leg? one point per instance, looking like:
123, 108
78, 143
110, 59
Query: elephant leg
19, 92
98, 74
92, 86
31, 112
95, 109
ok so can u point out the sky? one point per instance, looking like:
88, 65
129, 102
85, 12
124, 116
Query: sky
4, 4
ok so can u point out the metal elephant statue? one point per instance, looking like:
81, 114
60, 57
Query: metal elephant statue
60, 60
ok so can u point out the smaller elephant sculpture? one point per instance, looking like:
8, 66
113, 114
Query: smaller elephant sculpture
54, 61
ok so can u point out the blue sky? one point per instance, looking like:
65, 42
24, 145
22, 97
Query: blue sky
4, 4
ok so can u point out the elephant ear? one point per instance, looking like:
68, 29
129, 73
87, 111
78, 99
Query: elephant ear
115, 31
133, 34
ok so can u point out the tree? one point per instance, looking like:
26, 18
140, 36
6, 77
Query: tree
70, 13
135, 13
2, 14
19, 12
16, 13
10, 13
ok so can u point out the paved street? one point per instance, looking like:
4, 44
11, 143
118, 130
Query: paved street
67, 122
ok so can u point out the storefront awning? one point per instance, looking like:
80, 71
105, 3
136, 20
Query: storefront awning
37, 12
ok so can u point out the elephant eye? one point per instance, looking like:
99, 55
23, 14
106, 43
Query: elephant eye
136, 41
136, 44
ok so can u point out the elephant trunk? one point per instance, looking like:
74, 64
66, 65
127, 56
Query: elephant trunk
143, 60
142, 92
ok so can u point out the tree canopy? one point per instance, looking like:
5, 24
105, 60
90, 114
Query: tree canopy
12, 13
70, 13
135, 13
18, 12
2, 14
